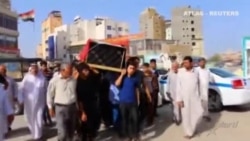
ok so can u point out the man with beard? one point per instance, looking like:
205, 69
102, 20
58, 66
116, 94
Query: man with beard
87, 89
188, 97
32, 96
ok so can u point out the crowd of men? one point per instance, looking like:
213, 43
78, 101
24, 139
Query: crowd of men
81, 98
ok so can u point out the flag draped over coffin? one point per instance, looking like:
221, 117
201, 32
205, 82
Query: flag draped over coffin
28, 16
85, 50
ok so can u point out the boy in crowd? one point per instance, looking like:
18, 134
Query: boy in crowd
151, 83
129, 100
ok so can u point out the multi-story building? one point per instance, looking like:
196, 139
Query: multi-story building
168, 30
148, 46
69, 39
99, 28
152, 24
8, 30
186, 27
53, 20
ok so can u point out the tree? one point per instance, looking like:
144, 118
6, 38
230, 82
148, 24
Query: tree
215, 58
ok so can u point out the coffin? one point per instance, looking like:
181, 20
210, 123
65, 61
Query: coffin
104, 56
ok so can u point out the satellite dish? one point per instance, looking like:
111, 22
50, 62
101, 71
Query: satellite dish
77, 18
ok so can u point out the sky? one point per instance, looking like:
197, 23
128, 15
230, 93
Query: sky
221, 33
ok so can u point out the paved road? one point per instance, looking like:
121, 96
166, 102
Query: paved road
231, 124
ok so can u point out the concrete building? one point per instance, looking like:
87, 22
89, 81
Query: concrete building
99, 28
62, 43
186, 25
168, 30
8, 30
152, 24
148, 46
48, 26
67, 40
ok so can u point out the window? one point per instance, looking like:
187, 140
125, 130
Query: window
193, 43
186, 28
109, 36
1, 20
183, 28
64, 47
183, 21
192, 29
126, 30
183, 35
222, 73
9, 22
64, 55
193, 36
192, 22
11, 42
109, 27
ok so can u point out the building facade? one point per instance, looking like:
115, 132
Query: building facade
152, 24
8, 30
99, 28
168, 30
69, 39
148, 46
62, 43
48, 26
187, 28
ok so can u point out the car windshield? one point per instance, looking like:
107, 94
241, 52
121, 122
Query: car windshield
13, 69
222, 72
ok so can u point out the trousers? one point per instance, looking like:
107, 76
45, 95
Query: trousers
129, 120
66, 123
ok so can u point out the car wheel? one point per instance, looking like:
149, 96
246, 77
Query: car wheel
214, 101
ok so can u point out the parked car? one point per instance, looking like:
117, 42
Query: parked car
227, 89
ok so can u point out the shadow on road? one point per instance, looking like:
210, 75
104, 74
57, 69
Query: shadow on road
48, 132
207, 126
244, 108
19, 132
161, 124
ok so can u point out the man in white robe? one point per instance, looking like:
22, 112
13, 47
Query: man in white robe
171, 92
205, 77
33, 96
5, 110
188, 97
11, 91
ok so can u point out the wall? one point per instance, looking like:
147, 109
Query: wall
99, 29
62, 43
169, 33
185, 28
150, 46
53, 20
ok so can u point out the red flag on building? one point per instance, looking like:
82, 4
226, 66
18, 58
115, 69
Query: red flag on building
28, 16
